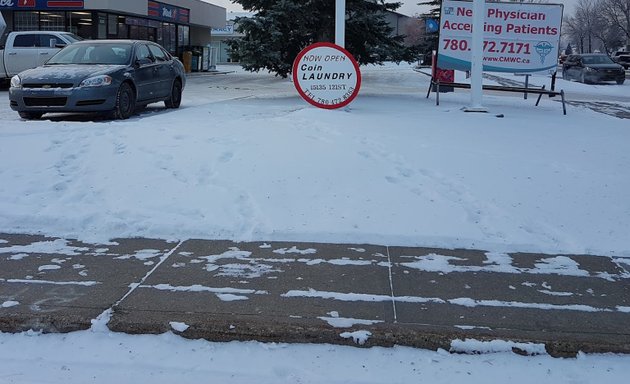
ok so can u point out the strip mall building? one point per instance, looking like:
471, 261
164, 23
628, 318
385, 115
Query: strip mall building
176, 25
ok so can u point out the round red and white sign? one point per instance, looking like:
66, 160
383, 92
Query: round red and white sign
326, 75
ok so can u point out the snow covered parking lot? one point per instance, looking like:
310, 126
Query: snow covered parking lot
246, 159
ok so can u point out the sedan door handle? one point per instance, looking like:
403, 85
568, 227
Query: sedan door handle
43, 53
12, 53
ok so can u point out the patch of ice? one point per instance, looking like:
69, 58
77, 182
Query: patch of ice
469, 327
346, 261
231, 253
433, 263
344, 322
179, 327
553, 293
59, 246
359, 337
361, 250
472, 346
248, 271
9, 303
201, 288
559, 265
142, 255
294, 249
264, 246
231, 297
48, 267
100, 323
19, 256
29, 281
468, 302
623, 309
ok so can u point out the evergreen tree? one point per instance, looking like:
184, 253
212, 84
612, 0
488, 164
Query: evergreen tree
280, 29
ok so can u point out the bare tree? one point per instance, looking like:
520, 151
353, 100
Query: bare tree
577, 29
617, 13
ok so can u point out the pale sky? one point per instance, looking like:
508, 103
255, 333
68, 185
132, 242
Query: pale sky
408, 8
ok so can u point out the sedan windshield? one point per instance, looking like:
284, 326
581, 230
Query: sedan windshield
597, 59
98, 53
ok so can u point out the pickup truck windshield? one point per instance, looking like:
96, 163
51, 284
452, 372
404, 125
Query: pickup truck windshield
72, 37
97, 53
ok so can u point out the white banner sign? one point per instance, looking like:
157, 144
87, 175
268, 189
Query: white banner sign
518, 37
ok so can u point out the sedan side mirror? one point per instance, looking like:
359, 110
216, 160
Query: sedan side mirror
143, 61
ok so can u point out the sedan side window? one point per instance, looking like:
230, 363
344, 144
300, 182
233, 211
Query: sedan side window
157, 53
143, 53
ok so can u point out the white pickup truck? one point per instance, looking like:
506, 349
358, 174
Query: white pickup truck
30, 49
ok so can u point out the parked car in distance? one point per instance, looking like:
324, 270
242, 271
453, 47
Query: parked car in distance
110, 76
592, 68
623, 58
29, 49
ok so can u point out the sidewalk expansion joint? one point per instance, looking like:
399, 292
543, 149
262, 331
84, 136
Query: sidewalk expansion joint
391, 284
134, 286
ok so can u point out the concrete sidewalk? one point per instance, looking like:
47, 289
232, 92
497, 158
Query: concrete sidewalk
311, 292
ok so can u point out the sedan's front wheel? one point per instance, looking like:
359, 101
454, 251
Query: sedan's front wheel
175, 98
125, 102
30, 115
620, 81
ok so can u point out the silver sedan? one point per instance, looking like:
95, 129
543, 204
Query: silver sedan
110, 76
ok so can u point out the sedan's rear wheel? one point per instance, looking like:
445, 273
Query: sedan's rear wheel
175, 99
125, 102
30, 115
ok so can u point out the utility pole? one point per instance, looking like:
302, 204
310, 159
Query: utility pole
476, 58
340, 23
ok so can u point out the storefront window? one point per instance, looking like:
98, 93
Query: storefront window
52, 21
168, 37
122, 28
26, 21
112, 25
80, 23
183, 36
102, 26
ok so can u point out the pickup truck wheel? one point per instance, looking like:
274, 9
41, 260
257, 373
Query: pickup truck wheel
30, 115
175, 99
125, 102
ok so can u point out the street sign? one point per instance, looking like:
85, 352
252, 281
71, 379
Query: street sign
326, 75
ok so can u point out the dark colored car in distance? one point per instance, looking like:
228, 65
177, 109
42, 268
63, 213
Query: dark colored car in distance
623, 58
592, 68
113, 77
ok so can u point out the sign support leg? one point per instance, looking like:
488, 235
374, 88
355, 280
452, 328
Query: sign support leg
476, 62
